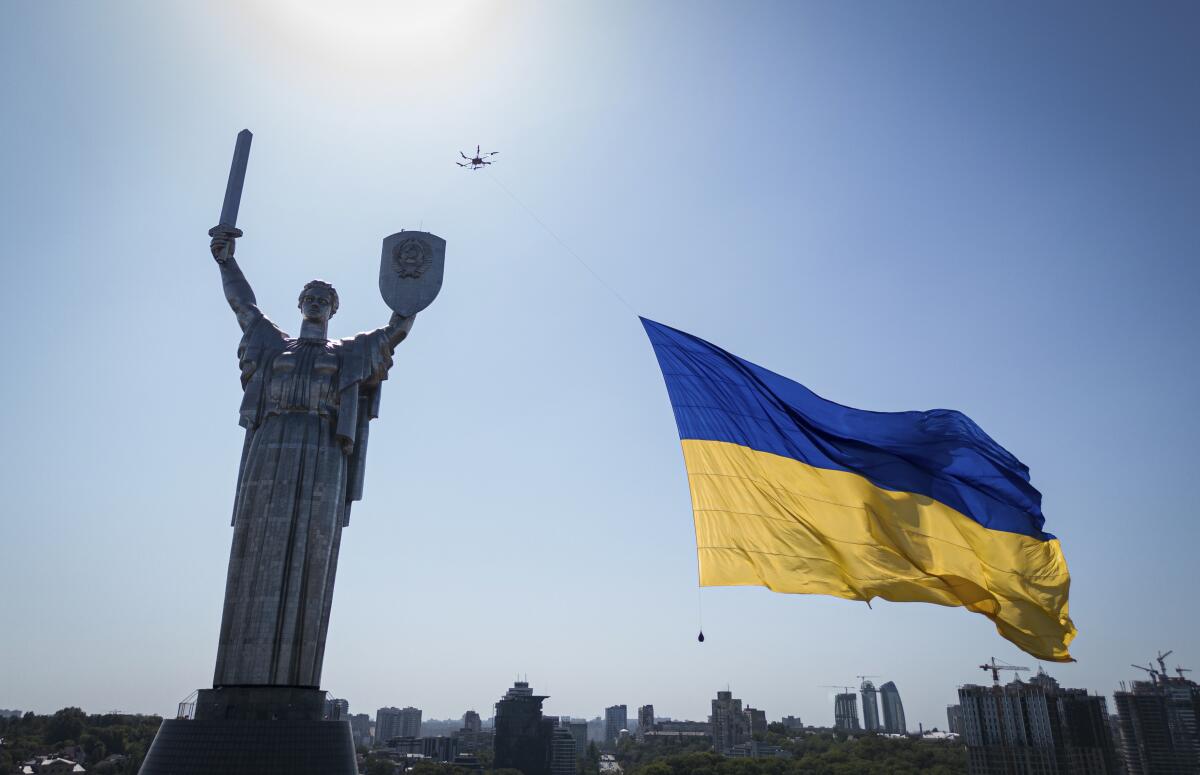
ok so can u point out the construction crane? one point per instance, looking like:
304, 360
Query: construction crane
996, 667
1153, 673
1181, 670
1162, 662
863, 678
1160, 675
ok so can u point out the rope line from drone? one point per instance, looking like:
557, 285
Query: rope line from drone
560, 241
616, 295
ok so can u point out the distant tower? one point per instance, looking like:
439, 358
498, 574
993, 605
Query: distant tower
954, 719
616, 718
387, 724
730, 724
579, 731
645, 721
523, 736
360, 728
845, 712
562, 752
410, 722
870, 706
758, 720
893, 710
472, 722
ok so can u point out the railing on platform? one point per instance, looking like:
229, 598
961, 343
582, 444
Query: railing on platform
187, 708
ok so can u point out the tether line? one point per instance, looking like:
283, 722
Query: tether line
616, 295
560, 241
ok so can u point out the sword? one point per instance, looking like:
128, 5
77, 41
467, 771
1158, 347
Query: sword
227, 226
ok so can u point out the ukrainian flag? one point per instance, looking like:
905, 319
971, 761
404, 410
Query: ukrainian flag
802, 495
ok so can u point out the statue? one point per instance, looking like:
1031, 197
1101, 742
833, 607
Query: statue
306, 408
306, 404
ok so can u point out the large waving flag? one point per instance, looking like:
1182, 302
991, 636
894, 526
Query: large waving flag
799, 494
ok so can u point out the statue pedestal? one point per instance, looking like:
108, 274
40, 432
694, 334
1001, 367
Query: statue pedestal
266, 730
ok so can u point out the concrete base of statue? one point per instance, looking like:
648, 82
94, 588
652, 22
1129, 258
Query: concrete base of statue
267, 730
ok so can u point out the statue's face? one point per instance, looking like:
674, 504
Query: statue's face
317, 305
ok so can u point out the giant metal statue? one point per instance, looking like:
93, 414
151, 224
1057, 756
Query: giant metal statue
306, 407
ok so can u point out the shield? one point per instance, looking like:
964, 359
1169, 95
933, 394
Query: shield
410, 271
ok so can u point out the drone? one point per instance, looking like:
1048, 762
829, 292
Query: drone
478, 161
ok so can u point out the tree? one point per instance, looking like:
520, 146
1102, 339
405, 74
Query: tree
591, 760
379, 766
65, 725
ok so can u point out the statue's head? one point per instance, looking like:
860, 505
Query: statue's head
318, 301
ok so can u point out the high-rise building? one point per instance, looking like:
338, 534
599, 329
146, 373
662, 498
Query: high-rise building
397, 722
1035, 728
523, 737
730, 724
758, 720
845, 712
562, 751
870, 706
615, 719
360, 728
410, 722
793, 723
336, 710
579, 731
1160, 725
645, 721
473, 738
954, 719
893, 709
596, 730
387, 724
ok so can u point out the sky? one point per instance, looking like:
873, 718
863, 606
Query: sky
989, 207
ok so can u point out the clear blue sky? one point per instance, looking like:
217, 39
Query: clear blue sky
990, 207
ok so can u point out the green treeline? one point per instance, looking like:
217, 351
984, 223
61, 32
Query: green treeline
812, 754
128, 737
122, 737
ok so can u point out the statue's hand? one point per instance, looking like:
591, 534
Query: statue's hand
224, 240
347, 446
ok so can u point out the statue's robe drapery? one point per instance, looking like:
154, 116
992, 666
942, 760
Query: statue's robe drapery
303, 399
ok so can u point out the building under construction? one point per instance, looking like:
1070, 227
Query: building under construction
1160, 722
1035, 728
845, 712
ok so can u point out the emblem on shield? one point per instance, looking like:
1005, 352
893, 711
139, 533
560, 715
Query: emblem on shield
410, 270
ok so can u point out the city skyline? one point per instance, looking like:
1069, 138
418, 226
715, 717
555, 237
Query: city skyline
967, 206
814, 719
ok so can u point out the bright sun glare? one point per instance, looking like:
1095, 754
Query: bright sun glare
373, 31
